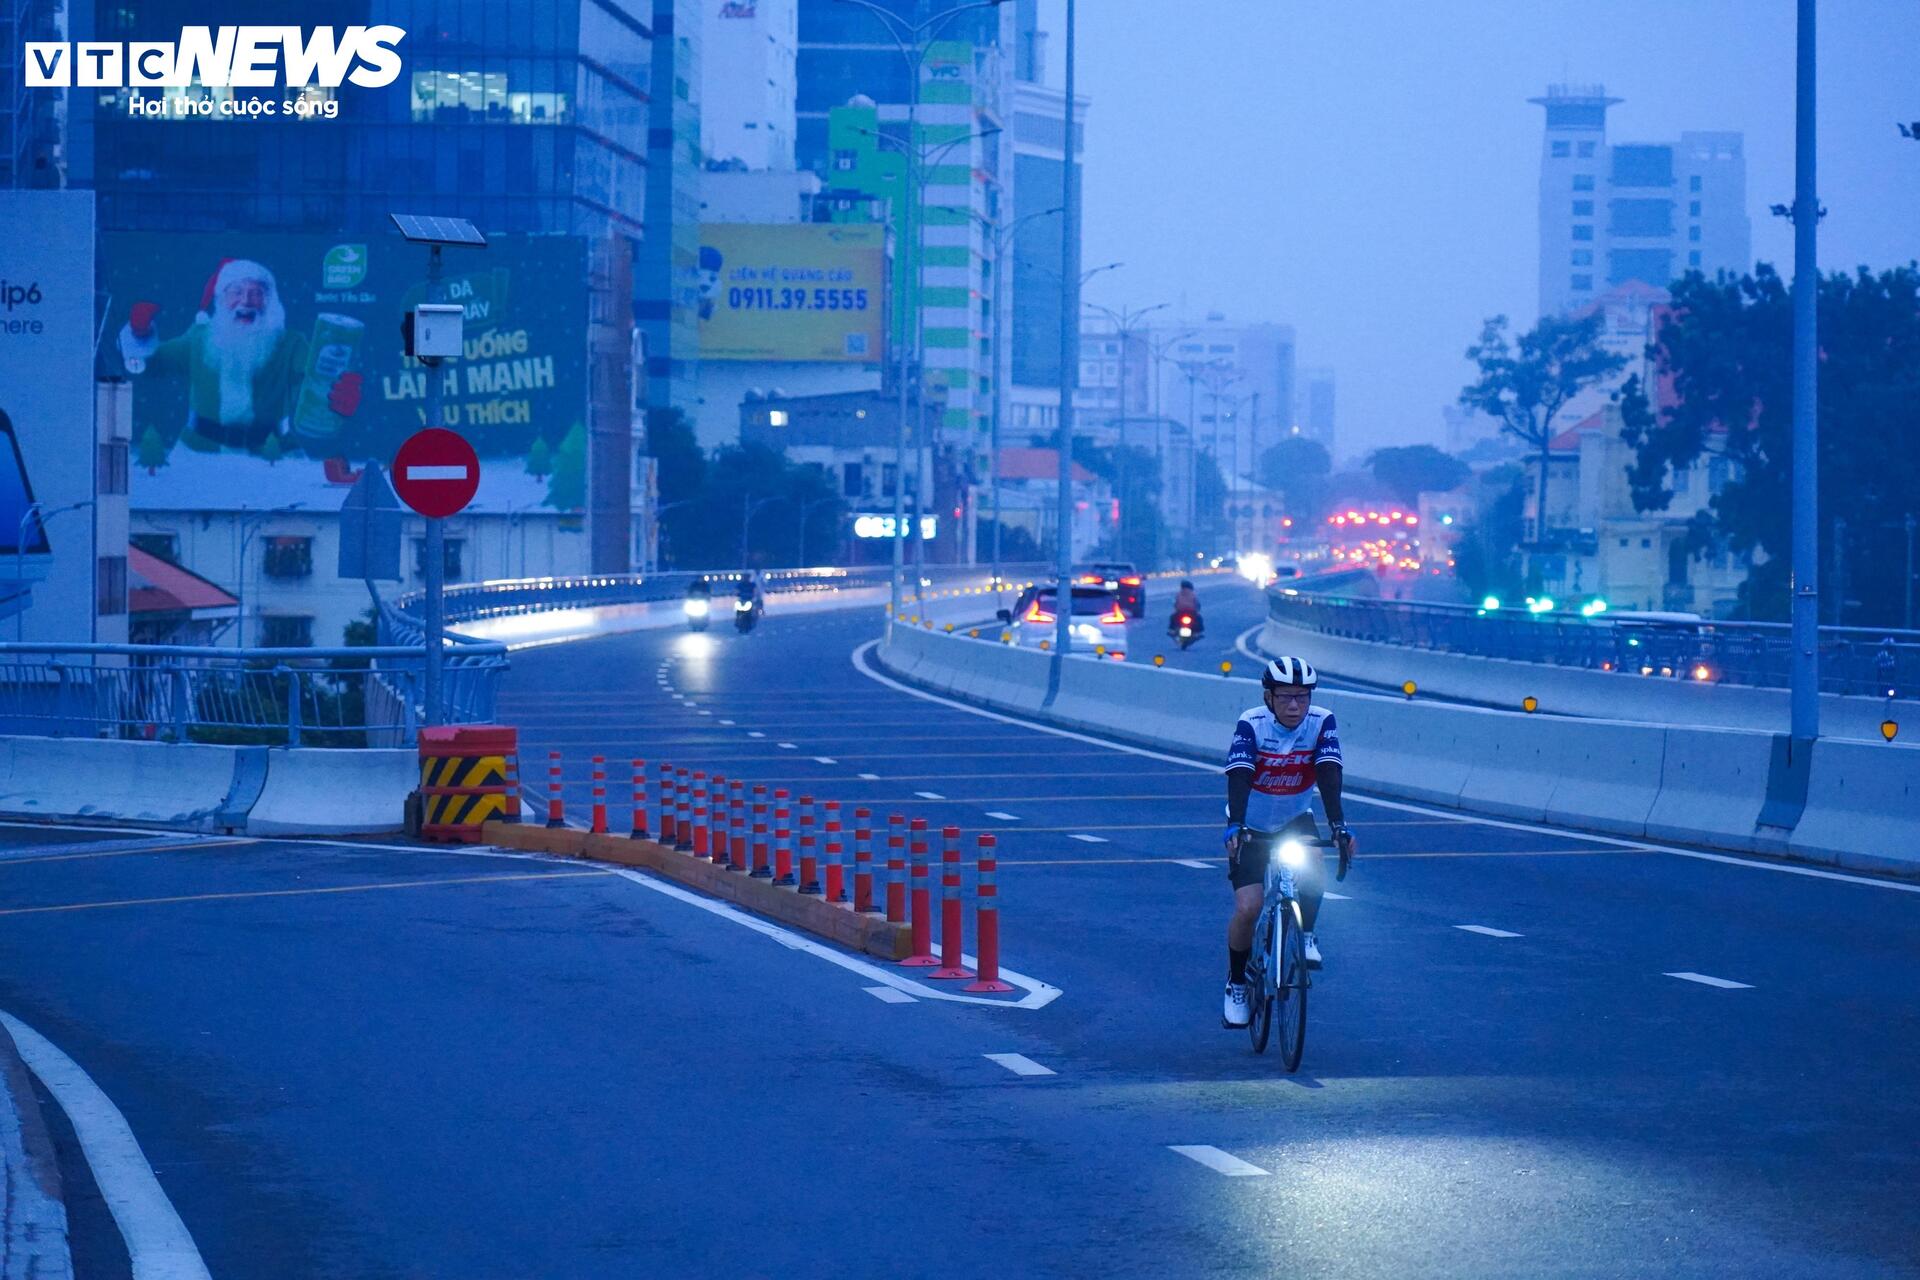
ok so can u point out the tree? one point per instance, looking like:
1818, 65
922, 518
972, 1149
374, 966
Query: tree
1298, 469
1416, 469
539, 458
1486, 560
1727, 352
1526, 389
272, 450
567, 486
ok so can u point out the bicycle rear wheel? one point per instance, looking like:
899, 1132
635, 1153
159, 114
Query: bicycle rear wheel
1260, 985
1291, 994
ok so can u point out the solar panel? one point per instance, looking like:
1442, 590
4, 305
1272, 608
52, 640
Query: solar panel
429, 230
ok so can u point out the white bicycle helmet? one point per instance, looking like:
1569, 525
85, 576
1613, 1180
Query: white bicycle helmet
1286, 670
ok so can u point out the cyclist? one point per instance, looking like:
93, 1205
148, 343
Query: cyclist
1281, 750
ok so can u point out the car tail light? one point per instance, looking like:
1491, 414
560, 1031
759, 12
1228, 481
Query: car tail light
1035, 614
1115, 614
1091, 577
1130, 582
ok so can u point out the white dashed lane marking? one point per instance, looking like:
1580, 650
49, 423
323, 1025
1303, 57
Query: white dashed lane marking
825, 760
1198, 865
1708, 981
1482, 929
887, 995
998, 816
728, 723
929, 795
1220, 1162
787, 746
1087, 839
1020, 1064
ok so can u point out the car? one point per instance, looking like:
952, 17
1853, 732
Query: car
1121, 578
1098, 619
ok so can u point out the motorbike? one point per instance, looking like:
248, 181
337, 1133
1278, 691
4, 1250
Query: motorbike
697, 609
1185, 628
744, 616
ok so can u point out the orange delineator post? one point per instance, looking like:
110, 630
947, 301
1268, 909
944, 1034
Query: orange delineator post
683, 801
836, 876
951, 919
701, 834
556, 809
782, 839
863, 860
986, 920
760, 870
809, 856
512, 810
669, 830
639, 831
599, 826
896, 869
738, 813
717, 821
921, 899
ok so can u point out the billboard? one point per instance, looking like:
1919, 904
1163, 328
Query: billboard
48, 454
802, 291
288, 346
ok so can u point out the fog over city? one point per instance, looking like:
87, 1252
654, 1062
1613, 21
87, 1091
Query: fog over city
1369, 172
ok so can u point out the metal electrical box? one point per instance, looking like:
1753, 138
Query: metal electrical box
437, 330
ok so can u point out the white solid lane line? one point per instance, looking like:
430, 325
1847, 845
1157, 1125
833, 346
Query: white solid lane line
1198, 865
1087, 839
158, 1244
1708, 981
887, 995
998, 816
929, 795
1491, 933
1220, 1162
859, 661
1020, 1064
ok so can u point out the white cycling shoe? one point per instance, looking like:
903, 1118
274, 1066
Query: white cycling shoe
1311, 945
1234, 1015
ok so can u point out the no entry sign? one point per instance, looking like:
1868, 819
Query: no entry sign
436, 472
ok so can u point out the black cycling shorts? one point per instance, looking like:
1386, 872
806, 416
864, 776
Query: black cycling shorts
1251, 866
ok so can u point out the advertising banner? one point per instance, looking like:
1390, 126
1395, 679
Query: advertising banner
288, 346
804, 291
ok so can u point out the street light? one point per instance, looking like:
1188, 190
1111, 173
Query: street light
807, 509
1069, 370
747, 507
45, 514
1125, 323
1002, 238
911, 41
249, 527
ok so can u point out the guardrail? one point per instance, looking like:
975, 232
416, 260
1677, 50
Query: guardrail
366, 696
1853, 660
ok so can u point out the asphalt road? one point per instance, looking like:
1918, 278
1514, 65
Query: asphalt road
387, 1062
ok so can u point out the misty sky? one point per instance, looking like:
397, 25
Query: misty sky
1367, 170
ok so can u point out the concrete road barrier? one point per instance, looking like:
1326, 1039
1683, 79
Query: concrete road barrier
1712, 784
333, 792
1863, 807
184, 785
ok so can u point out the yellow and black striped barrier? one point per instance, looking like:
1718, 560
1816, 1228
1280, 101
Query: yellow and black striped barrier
464, 780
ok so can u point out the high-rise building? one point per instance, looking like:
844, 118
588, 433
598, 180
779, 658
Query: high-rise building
747, 83
1232, 384
1651, 212
1315, 419
32, 141
667, 266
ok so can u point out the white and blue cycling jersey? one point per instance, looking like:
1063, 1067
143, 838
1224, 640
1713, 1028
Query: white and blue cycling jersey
1282, 762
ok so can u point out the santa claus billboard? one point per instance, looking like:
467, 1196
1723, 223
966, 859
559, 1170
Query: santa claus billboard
288, 346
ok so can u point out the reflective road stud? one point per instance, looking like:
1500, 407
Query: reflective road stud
835, 856
897, 869
863, 860
809, 851
921, 898
599, 827
639, 831
951, 918
556, 812
782, 839
760, 869
986, 921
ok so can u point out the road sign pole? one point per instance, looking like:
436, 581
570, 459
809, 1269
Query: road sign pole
436, 529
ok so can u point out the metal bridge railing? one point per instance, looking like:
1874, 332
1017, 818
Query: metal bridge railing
347, 697
1860, 661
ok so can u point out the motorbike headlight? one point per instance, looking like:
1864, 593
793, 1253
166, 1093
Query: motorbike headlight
697, 608
1293, 854
743, 606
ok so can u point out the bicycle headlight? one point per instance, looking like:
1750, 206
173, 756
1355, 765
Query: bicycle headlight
1293, 854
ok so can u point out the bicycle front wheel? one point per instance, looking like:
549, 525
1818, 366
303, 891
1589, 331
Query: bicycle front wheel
1290, 979
1260, 985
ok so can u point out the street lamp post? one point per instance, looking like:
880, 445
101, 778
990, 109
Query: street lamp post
1804, 724
1002, 365
45, 514
747, 507
911, 41
807, 509
1069, 371
1126, 323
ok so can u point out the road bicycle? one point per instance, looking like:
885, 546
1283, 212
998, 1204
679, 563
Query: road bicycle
1277, 975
